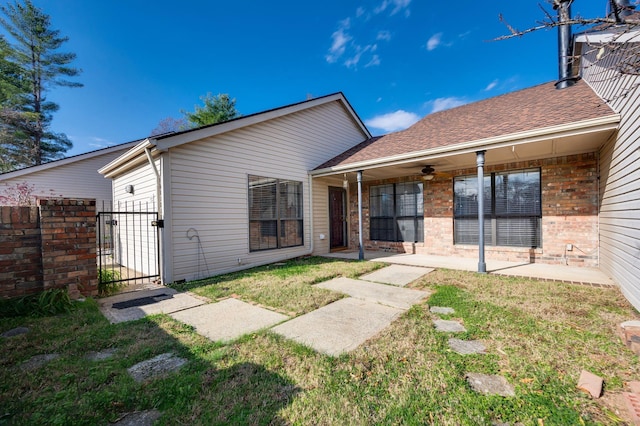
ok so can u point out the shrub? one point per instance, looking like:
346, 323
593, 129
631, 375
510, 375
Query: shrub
106, 286
47, 303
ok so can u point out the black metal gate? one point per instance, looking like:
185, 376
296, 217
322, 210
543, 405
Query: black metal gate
128, 247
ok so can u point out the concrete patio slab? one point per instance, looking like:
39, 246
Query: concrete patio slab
229, 319
559, 273
402, 298
399, 275
340, 326
571, 274
176, 302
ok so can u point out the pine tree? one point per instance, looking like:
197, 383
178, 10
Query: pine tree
35, 50
216, 109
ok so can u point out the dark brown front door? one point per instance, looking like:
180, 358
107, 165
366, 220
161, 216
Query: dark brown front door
337, 218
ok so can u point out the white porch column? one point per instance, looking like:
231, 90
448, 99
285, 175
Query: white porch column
482, 266
360, 227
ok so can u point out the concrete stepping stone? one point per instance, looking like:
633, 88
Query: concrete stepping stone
38, 361
229, 319
441, 310
398, 275
158, 366
162, 304
488, 384
449, 326
139, 418
101, 355
340, 326
15, 332
402, 298
467, 347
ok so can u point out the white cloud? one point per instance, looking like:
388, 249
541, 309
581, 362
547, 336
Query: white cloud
98, 142
434, 41
359, 51
347, 46
393, 121
339, 40
383, 35
442, 104
491, 85
375, 60
381, 7
398, 6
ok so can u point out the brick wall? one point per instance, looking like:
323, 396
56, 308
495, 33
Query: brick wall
569, 215
20, 252
49, 246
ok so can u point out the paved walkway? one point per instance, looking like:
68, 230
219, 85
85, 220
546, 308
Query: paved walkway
333, 329
571, 274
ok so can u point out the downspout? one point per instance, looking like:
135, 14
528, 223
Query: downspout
147, 151
360, 227
311, 214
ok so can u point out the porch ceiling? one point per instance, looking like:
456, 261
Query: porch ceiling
507, 152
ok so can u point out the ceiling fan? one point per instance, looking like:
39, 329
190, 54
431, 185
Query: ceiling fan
428, 172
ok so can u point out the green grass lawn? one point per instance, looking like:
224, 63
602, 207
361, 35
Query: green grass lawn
539, 335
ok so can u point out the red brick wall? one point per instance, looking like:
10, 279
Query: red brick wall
49, 246
20, 258
569, 215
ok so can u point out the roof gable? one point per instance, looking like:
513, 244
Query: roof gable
515, 113
171, 140
67, 160
167, 141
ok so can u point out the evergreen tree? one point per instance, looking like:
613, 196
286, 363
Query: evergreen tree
35, 51
216, 109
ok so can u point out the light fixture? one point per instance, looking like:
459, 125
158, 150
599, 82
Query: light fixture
128, 189
345, 182
427, 172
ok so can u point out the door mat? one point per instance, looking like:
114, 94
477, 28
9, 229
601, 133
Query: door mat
142, 301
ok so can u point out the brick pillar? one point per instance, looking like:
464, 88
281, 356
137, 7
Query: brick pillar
68, 232
20, 264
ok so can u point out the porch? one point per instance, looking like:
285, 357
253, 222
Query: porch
539, 271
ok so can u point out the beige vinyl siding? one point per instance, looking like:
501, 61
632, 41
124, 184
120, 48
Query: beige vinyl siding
209, 186
79, 179
321, 217
619, 174
134, 246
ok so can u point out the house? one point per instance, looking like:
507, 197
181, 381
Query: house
554, 167
76, 177
236, 194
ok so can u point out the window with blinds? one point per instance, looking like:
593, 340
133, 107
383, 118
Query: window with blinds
275, 213
512, 209
396, 212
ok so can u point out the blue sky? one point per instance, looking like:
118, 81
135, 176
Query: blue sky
395, 60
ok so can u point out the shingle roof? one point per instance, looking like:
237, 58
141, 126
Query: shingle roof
525, 110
